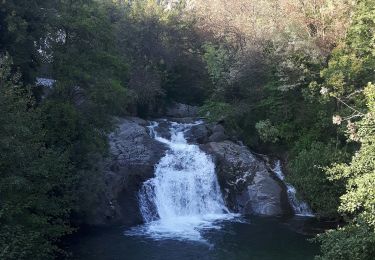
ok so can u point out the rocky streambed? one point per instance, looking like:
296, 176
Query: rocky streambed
248, 183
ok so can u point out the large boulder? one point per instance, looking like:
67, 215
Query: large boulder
133, 155
218, 134
248, 186
179, 110
198, 134
163, 128
204, 133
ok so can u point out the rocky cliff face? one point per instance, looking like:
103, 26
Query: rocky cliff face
248, 185
133, 155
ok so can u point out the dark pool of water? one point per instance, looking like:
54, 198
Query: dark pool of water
256, 238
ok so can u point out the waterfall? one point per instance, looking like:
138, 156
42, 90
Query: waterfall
184, 197
300, 208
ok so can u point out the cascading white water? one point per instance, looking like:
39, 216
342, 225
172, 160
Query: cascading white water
300, 208
184, 197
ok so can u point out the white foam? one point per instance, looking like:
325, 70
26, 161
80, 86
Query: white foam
184, 197
300, 208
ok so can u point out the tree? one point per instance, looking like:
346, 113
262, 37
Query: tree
357, 239
349, 71
35, 181
24, 25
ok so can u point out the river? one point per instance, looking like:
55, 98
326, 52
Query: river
255, 238
186, 218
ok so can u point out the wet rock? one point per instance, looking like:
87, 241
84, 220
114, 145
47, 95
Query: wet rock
218, 134
183, 120
248, 186
204, 133
262, 196
133, 155
198, 134
163, 128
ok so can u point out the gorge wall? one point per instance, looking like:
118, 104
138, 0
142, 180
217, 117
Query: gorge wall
247, 182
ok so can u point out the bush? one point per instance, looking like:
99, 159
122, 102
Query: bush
350, 242
307, 174
267, 131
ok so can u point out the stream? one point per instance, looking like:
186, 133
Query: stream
255, 238
186, 218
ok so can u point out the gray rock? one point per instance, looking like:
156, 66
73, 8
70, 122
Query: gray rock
137, 120
198, 134
205, 133
262, 197
133, 154
218, 134
217, 137
178, 110
163, 129
248, 187
247, 184
218, 128
183, 120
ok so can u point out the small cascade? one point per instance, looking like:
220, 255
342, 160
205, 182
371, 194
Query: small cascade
300, 208
184, 197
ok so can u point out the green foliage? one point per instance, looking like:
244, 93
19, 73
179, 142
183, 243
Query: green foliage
216, 59
51, 151
267, 131
24, 25
352, 63
163, 51
307, 174
357, 240
354, 241
108, 58
117, 57
359, 172
215, 111
362, 30
35, 180
87, 64
296, 64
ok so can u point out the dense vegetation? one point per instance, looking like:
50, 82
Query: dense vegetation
291, 78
